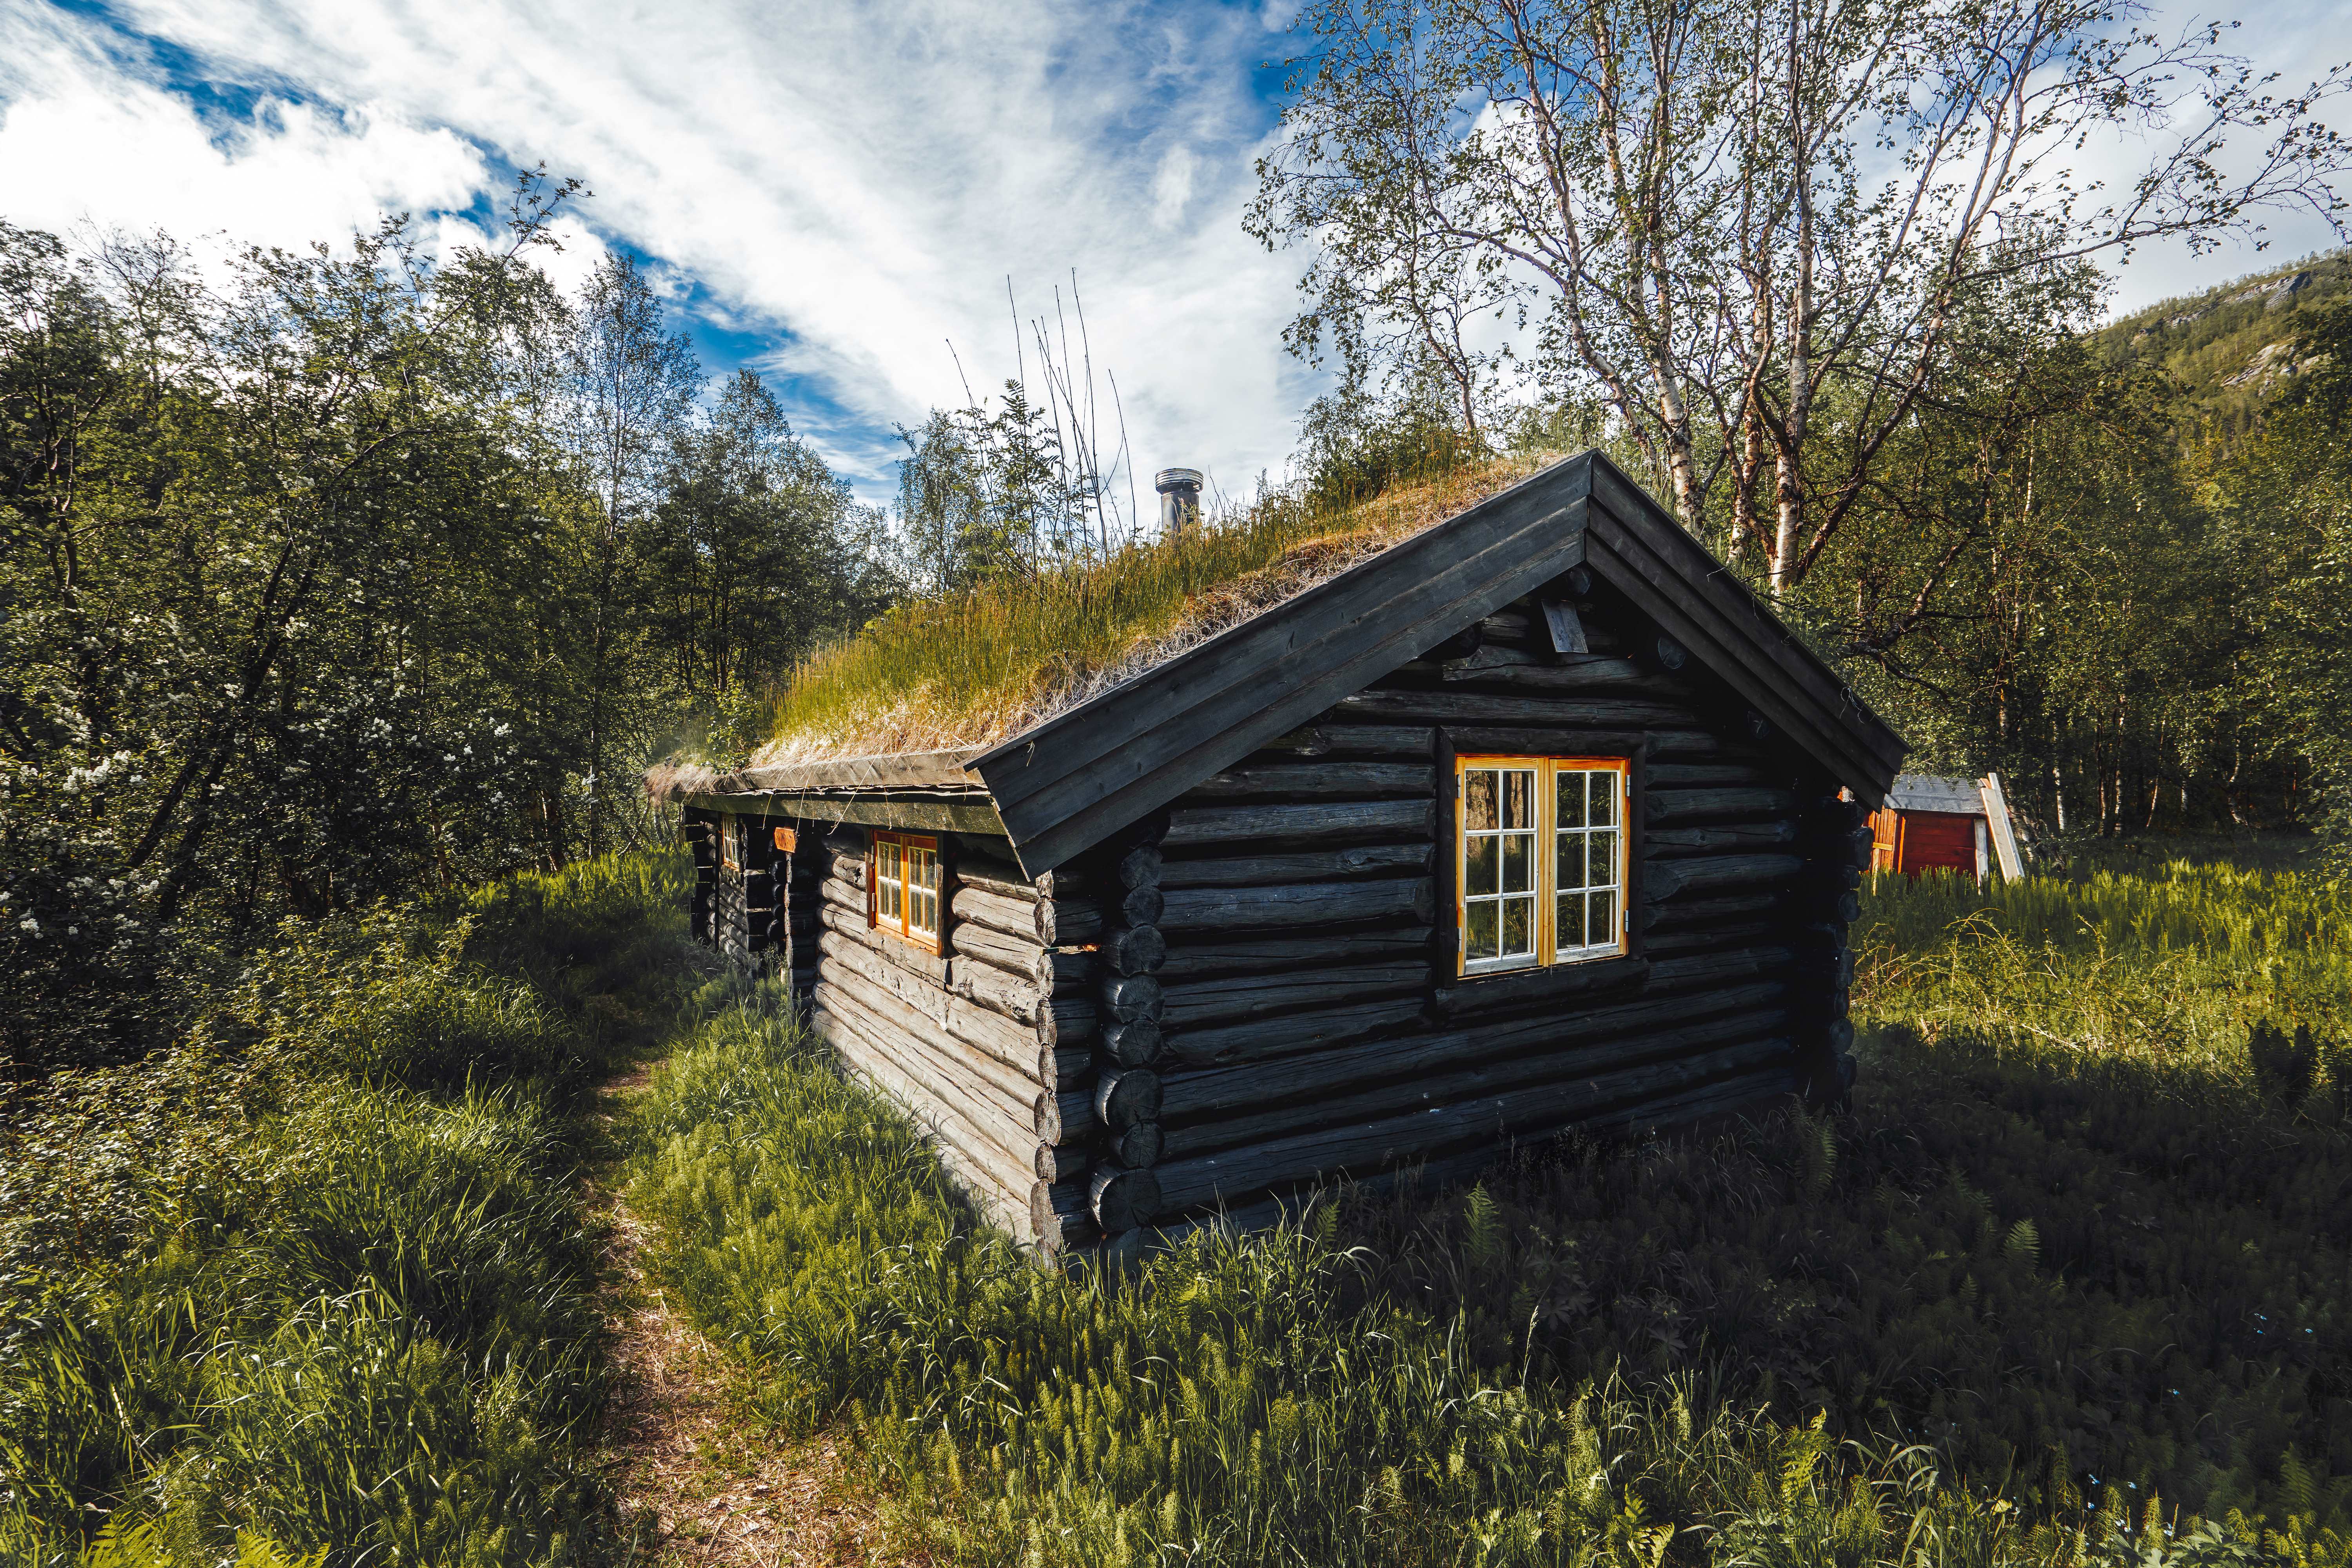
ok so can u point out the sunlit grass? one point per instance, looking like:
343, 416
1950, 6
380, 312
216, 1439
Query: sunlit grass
977, 666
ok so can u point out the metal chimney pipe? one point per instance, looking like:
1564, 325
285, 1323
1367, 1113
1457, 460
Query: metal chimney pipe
1180, 500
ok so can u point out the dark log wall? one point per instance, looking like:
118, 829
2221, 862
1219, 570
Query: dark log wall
1255, 988
1294, 1012
990, 1043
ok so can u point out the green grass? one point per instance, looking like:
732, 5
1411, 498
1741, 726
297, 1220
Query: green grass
976, 667
2050, 1291
318, 1278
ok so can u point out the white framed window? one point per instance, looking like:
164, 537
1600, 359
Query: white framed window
1539, 870
902, 888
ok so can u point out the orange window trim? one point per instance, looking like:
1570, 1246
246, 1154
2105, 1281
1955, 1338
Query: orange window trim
1548, 951
901, 849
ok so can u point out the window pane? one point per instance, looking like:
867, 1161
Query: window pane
1478, 799
1482, 931
1567, 914
1518, 926
1602, 860
1604, 798
1571, 799
1478, 861
1600, 916
1519, 862
1519, 798
1568, 861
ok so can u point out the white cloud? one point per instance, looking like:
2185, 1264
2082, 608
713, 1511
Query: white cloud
865, 179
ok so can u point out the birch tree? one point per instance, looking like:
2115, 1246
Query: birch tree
1751, 229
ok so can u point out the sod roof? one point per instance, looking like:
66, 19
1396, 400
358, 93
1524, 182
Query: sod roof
935, 682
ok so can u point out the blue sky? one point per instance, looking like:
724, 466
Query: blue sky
831, 194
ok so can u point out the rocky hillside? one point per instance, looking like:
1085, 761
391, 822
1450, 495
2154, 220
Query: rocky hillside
2231, 348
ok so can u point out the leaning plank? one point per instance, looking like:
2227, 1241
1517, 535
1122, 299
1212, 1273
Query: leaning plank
1312, 823
1317, 866
1299, 905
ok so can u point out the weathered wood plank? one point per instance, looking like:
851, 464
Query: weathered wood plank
852, 928
1259, 1078
1003, 1147
1011, 917
1315, 866
1312, 823
1391, 1141
1240, 996
1270, 954
1300, 906
1452, 707
1663, 842
1007, 950
1663, 880
1413, 741
1318, 780
1350, 1103
908, 814
1299, 1033
1678, 805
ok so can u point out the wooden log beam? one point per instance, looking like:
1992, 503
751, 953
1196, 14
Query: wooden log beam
1704, 914
1009, 916
1060, 1162
1615, 676
1391, 1141
1712, 775
1664, 842
1675, 805
1417, 740
1656, 744
1300, 906
1125, 1096
1317, 866
1138, 868
1440, 1089
913, 959
1000, 878
1005, 1065
1318, 780
1065, 970
1263, 995
1062, 923
1138, 1146
1671, 879
1272, 953
1299, 1033
1007, 950
1309, 823
1252, 1084
1121, 1200
1062, 1214
1455, 707
1133, 950
998, 1146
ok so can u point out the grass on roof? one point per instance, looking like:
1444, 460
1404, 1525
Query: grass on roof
976, 668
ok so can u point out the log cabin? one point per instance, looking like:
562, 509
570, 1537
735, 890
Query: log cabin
1536, 821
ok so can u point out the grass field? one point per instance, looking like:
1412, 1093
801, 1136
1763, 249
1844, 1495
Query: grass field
2071, 1283
317, 1280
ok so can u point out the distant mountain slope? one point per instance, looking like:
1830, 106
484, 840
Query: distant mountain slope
2231, 347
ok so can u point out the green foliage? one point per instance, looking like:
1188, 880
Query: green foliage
318, 1277
351, 575
2051, 1295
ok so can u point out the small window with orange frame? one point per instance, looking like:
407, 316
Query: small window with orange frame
902, 888
1539, 867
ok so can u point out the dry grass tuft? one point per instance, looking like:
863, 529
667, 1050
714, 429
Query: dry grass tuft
981, 667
